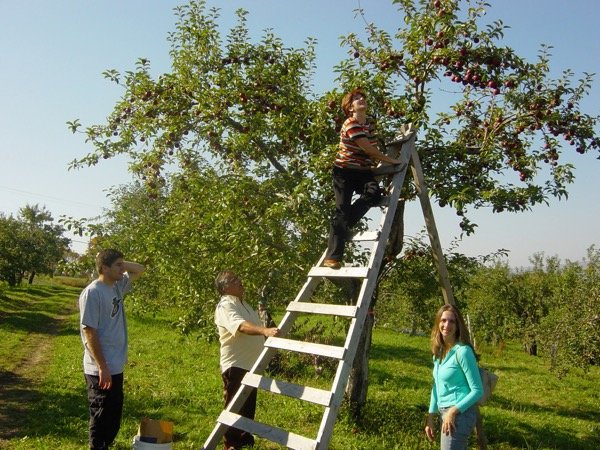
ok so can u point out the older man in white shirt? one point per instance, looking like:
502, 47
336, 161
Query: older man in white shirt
242, 339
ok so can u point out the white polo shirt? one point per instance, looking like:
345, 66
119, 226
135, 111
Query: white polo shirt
237, 349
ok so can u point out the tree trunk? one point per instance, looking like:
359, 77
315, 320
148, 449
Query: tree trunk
532, 348
413, 327
479, 431
358, 383
31, 277
11, 279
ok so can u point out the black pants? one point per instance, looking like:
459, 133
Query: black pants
232, 380
106, 408
346, 182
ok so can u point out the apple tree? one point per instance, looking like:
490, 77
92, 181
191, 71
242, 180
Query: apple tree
571, 331
231, 149
12, 252
230, 153
501, 140
30, 243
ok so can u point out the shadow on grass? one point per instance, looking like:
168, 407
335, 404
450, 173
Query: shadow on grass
38, 312
404, 354
25, 411
31, 321
590, 415
41, 291
519, 434
382, 417
12, 303
15, 396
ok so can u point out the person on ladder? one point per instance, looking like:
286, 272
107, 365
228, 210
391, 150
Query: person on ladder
352, 173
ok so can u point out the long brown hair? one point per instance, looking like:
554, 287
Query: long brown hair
462, 332
347, 100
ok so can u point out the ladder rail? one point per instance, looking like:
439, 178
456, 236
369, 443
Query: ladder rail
434, 239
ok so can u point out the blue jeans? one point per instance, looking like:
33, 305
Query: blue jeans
464, 422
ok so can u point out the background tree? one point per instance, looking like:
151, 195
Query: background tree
46, 244
12, 250
551, 308
410, 291
30, 244
235, 145
571, 331
505, 304
491, 298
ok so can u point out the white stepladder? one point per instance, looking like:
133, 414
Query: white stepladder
331, 399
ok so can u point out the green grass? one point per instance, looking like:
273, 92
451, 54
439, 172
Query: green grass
177, 378
30, 312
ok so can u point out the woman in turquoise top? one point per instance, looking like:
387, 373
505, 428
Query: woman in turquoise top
456, 381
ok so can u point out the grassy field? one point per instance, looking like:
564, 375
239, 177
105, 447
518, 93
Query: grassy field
43, 403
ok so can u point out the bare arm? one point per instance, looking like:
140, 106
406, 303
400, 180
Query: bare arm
373, 152
255, 330
93, 344
135, 270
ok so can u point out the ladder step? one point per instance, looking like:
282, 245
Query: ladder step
321, 308
312, 348
388, 169
269, 432
306, 393
343, 272
366, 236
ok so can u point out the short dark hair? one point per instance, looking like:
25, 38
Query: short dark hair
347, 100
223, 279
107, 258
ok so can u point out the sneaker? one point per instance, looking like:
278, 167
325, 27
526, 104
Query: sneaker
332, 264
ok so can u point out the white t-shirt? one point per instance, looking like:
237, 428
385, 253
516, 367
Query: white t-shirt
101, 308
237, 349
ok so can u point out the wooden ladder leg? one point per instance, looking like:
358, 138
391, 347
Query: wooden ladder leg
434, 238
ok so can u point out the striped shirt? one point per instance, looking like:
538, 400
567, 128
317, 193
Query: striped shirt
350, 155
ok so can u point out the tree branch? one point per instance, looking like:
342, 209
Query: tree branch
260, 144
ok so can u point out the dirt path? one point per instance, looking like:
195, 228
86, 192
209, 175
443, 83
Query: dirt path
18, 387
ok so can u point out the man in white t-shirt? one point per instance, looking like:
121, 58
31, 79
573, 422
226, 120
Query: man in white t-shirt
103, 330
242, 339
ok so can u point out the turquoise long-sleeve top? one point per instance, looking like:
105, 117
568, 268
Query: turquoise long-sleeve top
456, 380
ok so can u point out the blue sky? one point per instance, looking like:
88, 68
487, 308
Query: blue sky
52, 55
